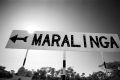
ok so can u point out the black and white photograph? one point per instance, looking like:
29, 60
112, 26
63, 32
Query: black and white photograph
59, 40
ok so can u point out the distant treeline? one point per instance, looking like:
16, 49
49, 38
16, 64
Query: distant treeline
49, 73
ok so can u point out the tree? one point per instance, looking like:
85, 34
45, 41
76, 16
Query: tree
94, 76
70, 72
36, 76
2, 68
21, 71
113, 68
52, 71
83, 75
4, 73
77, 77
42, 73
29, 74
24, 72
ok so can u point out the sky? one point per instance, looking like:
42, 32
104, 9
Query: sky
95, 16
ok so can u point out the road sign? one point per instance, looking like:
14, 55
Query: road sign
51, 40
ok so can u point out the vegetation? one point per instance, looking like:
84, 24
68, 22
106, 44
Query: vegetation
4, 73
49, 73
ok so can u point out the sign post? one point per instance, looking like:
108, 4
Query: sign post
25, 58
64, 66
104, 63
74, 41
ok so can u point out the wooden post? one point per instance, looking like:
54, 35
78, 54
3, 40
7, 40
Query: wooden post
64, 66
25, 58
104, 63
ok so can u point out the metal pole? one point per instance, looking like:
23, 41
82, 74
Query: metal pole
25, 58
64, 66
104, 63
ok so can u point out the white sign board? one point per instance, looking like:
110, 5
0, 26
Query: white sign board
48, 40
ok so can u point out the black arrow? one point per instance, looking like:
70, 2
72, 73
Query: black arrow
14, 38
